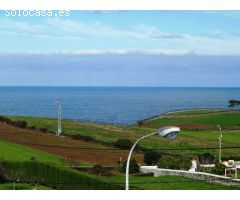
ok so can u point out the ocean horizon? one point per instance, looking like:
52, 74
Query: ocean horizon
121, 105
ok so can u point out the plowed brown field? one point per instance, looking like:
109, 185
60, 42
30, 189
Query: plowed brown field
87, 152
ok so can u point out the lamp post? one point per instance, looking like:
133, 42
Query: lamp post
220, 143
169, 132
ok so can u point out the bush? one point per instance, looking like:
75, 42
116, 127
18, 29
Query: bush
171, 162
184, 163
19, 124
125, 144
206, 158
219, 169
2, 164
151, 157
54, 176
5, 119
98, 169
45, 130
133, 167
167, 162
33, 127
82, 137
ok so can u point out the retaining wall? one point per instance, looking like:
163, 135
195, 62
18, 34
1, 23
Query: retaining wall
212, 178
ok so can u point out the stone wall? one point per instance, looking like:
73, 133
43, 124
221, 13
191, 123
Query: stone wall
212, 178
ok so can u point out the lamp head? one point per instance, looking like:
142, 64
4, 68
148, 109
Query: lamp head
168, 132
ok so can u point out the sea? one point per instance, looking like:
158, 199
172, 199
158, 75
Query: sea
110, 105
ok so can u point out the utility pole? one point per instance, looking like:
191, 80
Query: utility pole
59, 117
220, 143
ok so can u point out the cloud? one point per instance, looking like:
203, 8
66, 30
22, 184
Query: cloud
105, 52
138, 38
26, 29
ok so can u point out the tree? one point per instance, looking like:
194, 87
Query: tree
167, 162
151, 157
233, 103
185, 163
133, 167
172, 162
219, 169
19, 124
206, 158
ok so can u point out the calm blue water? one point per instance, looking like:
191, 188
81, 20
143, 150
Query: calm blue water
110, 104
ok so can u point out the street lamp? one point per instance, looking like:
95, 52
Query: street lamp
220, 143
168, 132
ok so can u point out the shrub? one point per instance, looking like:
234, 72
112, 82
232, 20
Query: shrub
98, 169
140, 123
167, 162
19, 124
45, 130
33, 158
184, 163
206, 158
5, 119
33, 127
151, 157
54, 176
102, 171
125, 144
171, 162
219, 169
82, 137
133, 167
2, 165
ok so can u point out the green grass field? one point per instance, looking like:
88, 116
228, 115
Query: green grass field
207, 122
198, 112
21, 186
167, 183
186, 139
14, 152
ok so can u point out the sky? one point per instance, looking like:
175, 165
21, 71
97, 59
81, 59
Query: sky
122, 48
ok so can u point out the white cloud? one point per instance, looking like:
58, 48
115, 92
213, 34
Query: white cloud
105, 52
138, 36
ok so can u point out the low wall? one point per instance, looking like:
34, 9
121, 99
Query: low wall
212, 178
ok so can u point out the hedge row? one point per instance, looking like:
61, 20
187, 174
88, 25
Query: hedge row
18, 123
52, 176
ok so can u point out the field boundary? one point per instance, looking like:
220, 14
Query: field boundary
171, 114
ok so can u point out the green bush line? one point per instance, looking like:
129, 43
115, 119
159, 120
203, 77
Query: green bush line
52, 176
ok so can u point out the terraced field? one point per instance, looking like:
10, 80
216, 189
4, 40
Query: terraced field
197, 120
65, 147
19, 144
191, 138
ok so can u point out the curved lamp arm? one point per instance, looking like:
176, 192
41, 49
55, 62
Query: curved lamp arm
129, 157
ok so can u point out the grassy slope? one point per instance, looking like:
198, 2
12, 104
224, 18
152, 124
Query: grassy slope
11, 151
198, 112
14, 152
167, 183
21, 186
226, 120
107, 133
